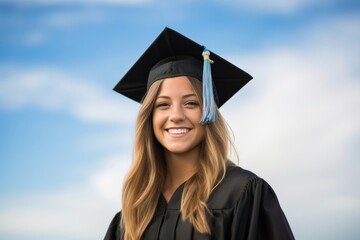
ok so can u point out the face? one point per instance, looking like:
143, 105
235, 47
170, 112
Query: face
176, 116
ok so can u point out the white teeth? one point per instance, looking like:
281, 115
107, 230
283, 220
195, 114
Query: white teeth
178, 131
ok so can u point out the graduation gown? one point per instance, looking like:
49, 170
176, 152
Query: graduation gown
243, 206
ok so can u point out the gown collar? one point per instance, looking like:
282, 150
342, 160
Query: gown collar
175, 200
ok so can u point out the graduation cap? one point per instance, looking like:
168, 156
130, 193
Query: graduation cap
172, 55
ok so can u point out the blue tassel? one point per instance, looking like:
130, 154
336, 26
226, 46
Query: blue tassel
209, 107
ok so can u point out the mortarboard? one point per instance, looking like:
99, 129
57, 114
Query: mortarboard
171, 55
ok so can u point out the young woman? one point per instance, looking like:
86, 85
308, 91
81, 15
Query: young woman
181, 184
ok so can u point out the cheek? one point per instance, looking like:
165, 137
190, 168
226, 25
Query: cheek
196, 116
157, 123
202, 133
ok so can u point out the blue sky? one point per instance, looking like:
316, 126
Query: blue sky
66, 137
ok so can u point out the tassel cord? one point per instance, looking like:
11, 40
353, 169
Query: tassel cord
209, 107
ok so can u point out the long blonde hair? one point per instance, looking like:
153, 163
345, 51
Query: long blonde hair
143, 184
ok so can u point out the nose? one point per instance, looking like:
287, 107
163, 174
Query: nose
177, 113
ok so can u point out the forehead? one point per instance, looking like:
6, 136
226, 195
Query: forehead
176, 86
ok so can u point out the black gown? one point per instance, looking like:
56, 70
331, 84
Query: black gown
243, 207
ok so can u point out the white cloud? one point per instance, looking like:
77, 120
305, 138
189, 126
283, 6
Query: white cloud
54, 90
107, 180
81, 212
300, 123
277, 6
310, 93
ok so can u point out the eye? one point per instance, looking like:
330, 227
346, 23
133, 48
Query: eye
161, 105
192, 104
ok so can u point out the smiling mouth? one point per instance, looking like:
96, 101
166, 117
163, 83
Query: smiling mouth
178, 131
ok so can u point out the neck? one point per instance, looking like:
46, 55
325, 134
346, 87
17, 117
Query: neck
179, 168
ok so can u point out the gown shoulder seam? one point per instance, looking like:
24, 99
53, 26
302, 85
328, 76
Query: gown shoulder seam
250, 181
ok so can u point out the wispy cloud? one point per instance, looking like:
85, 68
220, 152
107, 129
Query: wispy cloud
39, 29
72, 2
51, 89
71, 18
34, 38
277, 6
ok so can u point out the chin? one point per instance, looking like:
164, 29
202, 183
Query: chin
177, 150
181, 149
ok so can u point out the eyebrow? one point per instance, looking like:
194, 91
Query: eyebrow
185, 96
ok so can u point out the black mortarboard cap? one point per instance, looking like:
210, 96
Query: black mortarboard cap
171, 55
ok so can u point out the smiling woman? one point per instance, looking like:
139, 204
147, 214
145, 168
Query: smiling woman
181, 184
